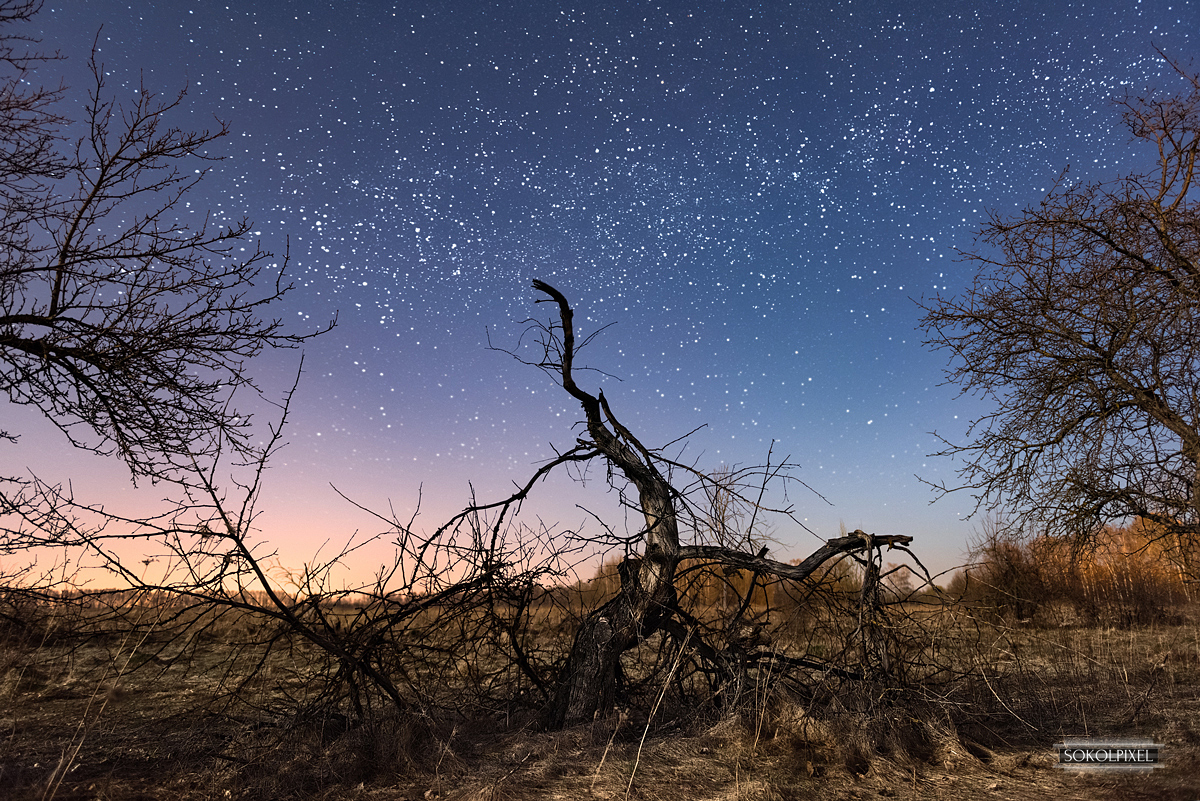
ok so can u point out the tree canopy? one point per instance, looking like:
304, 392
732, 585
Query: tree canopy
1082, 325
124, 325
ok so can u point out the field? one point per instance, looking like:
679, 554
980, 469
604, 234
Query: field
235, 710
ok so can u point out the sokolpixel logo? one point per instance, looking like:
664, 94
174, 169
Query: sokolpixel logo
1085, 753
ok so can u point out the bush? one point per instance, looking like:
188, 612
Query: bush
1127, 576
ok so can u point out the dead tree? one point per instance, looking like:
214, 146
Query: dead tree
646, 602
647, 592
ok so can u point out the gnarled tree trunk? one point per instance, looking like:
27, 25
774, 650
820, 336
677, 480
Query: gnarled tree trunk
646, 601
647, 593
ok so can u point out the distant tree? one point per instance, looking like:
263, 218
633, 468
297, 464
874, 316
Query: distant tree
1083, 326
899, 581
126, 326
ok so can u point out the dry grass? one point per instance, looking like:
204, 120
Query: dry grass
158, 719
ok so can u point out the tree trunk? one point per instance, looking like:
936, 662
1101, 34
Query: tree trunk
647, 594
875, 661
590, 679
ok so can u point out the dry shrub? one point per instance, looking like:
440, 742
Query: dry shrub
905, 734
1130, 578
1133, 575
33, 618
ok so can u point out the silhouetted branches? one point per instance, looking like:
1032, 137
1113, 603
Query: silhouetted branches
127, 325
1083, 326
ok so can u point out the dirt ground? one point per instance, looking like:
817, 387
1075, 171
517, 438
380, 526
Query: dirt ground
69, 730
131, 750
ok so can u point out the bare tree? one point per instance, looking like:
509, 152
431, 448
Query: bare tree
124, 324
647, 601
1083, 326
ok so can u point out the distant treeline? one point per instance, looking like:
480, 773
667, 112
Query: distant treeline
1129, 575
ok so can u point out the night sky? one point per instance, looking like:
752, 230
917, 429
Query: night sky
753, 195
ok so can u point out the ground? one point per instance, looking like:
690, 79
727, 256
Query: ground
105, 720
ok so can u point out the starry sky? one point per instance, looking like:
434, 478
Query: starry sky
753, 196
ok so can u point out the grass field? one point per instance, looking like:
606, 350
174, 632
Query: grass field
219, 715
